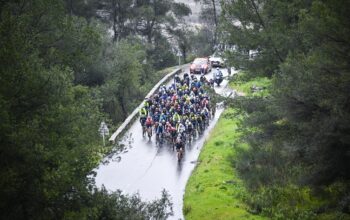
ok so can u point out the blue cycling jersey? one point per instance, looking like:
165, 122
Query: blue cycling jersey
162, 117
156, 117
160, 129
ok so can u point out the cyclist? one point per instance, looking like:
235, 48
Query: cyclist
202, 79
179, 146
199, 122
163, 116
181, 130
189, 126
143, 115
177, 78
160, 129
149, 123
186, 75
176, 117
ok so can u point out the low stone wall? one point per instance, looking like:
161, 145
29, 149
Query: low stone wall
134, 114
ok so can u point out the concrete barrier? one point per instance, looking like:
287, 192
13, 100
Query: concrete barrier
134, 114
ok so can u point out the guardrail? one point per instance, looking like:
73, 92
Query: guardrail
134, 114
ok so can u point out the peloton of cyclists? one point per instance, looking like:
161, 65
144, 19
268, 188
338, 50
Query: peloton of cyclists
177, 111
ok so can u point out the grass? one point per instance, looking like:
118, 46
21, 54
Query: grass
214, 191
242, 83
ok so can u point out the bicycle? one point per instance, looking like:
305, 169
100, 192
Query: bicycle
179, 154
179, 150
159, 138
144, 129
149, 133
190, 135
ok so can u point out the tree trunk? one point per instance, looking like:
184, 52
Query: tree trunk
263, 25
122, 105
215, 22
115, 37
71, 7
149, 34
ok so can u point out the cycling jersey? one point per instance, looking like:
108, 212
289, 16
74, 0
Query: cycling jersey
143, 112
160, 129
176, 117
149, 123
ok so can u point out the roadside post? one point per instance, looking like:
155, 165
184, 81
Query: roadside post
103, 130
179, 55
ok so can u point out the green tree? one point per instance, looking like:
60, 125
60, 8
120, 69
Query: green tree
152, 16
300, 133
200, 41
49, 143
118, 13
81, 8
210, 15
180, 31
123, 82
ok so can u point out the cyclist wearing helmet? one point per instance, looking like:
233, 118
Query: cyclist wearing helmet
156, 116
189, 126
179, 143
185, 75
162, 117
149, 123
176, 117
160, 128
143, 115
181, 128
203, 79
176, 78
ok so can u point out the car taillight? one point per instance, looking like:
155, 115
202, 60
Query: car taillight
193, 66
205, 66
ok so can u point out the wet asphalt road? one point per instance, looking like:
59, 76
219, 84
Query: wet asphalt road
147, 169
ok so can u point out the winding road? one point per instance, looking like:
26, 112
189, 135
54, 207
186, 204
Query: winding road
144, 168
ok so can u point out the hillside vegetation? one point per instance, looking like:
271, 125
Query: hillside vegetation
67, 65
222, 188
298, 133
62, 73
215, 190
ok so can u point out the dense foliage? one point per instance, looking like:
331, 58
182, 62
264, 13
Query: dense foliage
62, 74
299, 134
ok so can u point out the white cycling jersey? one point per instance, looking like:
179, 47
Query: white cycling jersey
181, 128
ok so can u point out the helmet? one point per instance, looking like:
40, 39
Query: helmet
217, 68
